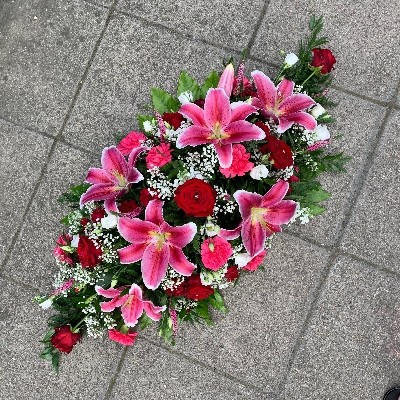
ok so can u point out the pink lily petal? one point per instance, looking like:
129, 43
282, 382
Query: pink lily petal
132, 253
227, 78
301, 118
246, 201
230, 234
281, 213
295, 103
153, 312
97, 175
154, 212
285, 87
109, 293
182, 235
193, 112
114, 162
135, 230
110, 205
134, 155
284, 124
243, 131
194, 135
100, 191
225, 155
242, 111
132, 309
265, 88
134, 176
179, 262
154, 265
217, 108
275, 194
253, 236
108, 306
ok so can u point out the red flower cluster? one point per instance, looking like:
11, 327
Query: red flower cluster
64, 339
323, 58
192, 288
89, 255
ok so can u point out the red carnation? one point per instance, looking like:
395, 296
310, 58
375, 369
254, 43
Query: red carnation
64, 339
232, 273
145, 197
128, 206
89, 255
98, 214
323, 58
196, 198
174, 119
195, 290
127, 339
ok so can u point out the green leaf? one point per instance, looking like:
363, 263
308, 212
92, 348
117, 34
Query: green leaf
48, 335
187, 84
74, 194
163, 101
144, 321
210, 82
315, 209
217, 301
333, 163
46, 356
55, 361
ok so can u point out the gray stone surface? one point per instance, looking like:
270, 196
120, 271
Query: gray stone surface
367, 55
22, 155
230, 24
31, 261
26, 377
266, 311
44, 48
358, 121
153, 373
374, 230
351, 348
133, 58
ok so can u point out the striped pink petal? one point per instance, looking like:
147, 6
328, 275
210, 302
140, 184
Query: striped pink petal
154, 265
227, 78
108, 306
301, 118
217, 108
253, 237
109, 293
101, 191
134, 155
193, 136
152, 311
132, 253
132, 309
246, 201
242, 111
135, 230
114, 162
179, 262
285, 87
230, 234
243, 131
193, 112
281, 213
295, 103
154, 212
97, 175
275, 194
182, 235
225, 155
266, 89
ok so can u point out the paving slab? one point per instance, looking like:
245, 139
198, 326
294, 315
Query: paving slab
84, 373
31, 260
357, 124
153, 373
44, 48
133, 58
373, 231
347, 352
230, 24
22, 155
367, 55
266, 312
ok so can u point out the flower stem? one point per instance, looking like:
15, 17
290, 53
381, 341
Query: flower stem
315, 70
74, 329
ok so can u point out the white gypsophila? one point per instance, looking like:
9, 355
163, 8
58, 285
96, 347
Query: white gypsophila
184, 304
90, 309
290, 60
298, 89
172, 279
237, 249
317, 111
225, 203
185, 97
308, 137
284, 174
160, 184
46, 304
259, 172
86, 276
302, 214
90, 206
200, 164
172, 134
108, 320
313, 165
213, 278
74, 222
109, 222
64, 273
94, 328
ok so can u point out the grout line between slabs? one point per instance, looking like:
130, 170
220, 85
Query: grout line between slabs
117, 371
253, 37
358, 185
57, 138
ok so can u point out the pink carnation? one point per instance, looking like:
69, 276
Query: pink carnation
159, 156
127, 339
256, 261
215, 252
240, 163
130, 142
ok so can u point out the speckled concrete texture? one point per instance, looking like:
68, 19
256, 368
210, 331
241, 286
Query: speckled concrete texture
322, 320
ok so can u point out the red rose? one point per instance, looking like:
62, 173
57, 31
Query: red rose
323, 58
145, 197
280, 152
64, 339
98, 214
195, 290
174, 119
232, 273
88, 254
177, 290
196, 198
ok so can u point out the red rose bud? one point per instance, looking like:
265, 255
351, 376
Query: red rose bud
145, 197
98, 214
195, 290
89, 255
64, 339
174, 119
196, 198
323, 58
232, 273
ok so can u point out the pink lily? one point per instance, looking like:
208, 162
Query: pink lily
132, 304
156, 243
114, 179
263, 215
281, 104
227, 79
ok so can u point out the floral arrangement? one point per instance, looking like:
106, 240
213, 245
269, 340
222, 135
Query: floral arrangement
192, 201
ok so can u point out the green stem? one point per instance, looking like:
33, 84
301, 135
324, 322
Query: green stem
77, 325
315, 70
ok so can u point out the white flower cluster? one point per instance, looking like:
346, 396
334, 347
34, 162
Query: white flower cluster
215, 279
74, 222
200, 165
303, 214
94, 328
160, 184
184, 304
284, 174
172, 280
83, 276
225, 203
171, 135
210, 228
